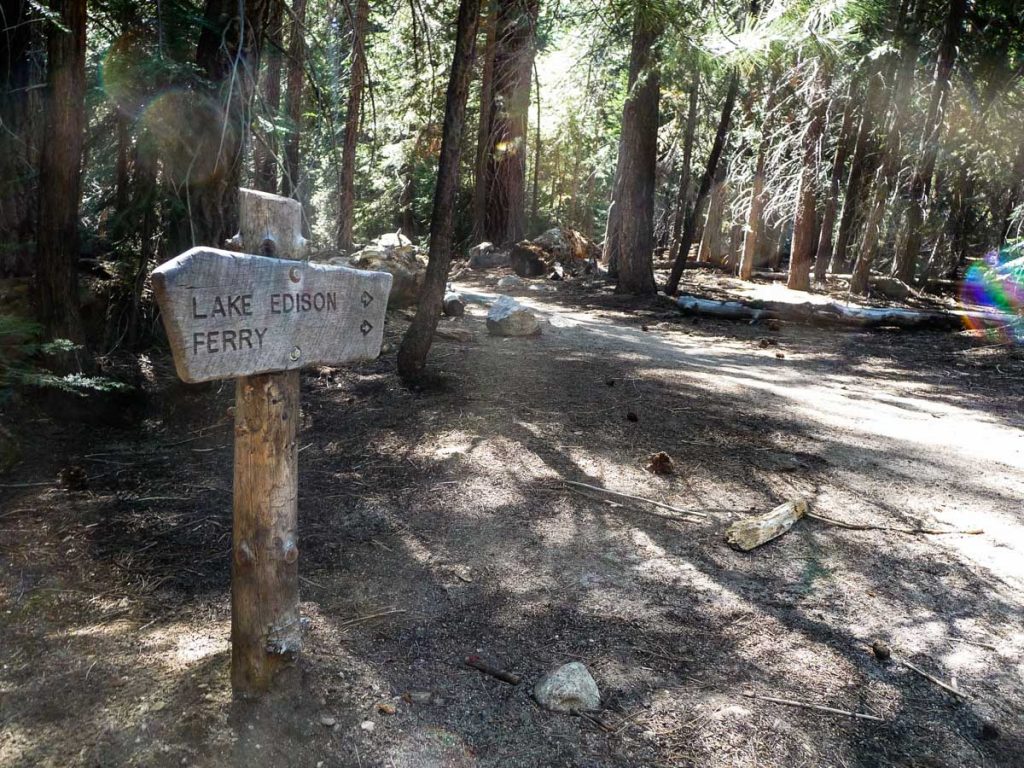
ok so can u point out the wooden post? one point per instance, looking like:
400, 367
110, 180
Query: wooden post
265, 624
259, 320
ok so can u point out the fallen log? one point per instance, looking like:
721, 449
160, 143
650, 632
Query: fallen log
752, 532
835, 313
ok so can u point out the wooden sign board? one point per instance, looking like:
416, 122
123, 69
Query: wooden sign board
229, 314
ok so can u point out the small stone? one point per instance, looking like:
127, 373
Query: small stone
881, 650
510, 283
417, 697
368, 725
780, 355
327, 721
570, 688
631, 416
386, 709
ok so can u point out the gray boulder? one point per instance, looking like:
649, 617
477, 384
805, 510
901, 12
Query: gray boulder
486, 256
507, 317
396, 255
570, 688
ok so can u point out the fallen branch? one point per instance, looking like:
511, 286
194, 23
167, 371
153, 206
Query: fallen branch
752, 532
816, 707
926, 676
632, 507
360, 619
476, 662
868, 527
690, 512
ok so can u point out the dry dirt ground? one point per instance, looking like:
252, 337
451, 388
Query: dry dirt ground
433, 525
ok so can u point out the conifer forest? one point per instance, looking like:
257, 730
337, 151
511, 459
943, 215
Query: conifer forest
512, 383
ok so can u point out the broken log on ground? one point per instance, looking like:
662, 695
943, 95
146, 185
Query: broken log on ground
752, 532
836, 313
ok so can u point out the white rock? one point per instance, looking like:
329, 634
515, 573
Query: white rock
570, 688
508, 317
368, 725
327, 720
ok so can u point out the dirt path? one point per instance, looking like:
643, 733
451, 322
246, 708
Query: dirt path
433, 526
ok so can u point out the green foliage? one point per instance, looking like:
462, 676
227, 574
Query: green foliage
22, 356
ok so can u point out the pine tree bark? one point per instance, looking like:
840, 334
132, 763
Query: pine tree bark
265, 149
353, 112
412, 355
639, 147
755, 215
683, 193
721, 134
483, 142
823, 254
292, 177
888, 171
60, 161
18, 140
515, 48
228, 55
755, 229
860, 166
805, 230
906, 257
711, 249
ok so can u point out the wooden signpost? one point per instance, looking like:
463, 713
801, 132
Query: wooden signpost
258, 319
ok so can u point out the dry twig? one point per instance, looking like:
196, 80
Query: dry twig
868, 527
926, 676
598, 489
816, 707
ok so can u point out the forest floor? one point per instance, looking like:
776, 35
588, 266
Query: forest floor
433, 525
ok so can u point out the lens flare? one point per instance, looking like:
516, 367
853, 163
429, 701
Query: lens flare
995, 284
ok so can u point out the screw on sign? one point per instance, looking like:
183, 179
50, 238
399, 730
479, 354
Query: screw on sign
258, 319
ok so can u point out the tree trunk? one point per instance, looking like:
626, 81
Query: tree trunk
805, 230
859, 167
347, 178
515, 48
60, 173
705, 184
536, 152
906, 257
859, 281
711, 249
292, 181
412, 355
639, 148
483, 141
265, 149
755, 229
752, 238
228, 55
17, 137
823, 255
683, 193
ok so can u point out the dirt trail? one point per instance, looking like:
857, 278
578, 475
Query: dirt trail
440, 511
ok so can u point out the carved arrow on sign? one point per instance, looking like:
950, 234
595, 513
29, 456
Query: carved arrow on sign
229, 315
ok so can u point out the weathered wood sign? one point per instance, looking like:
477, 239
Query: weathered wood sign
258, 319
229, 314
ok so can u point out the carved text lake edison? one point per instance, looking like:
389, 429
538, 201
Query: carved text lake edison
241, 305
